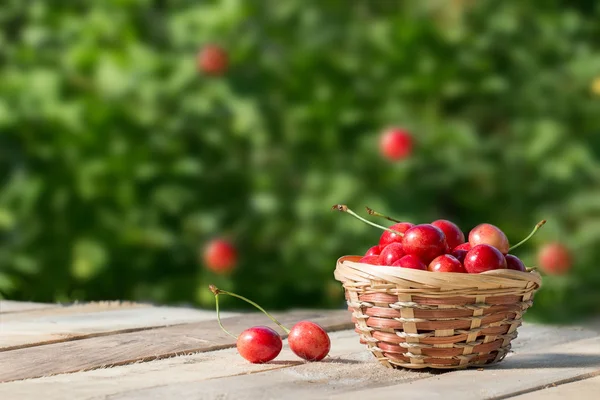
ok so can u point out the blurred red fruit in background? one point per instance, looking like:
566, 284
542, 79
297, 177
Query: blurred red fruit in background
396, 144
220, 256
555, 258
212, 60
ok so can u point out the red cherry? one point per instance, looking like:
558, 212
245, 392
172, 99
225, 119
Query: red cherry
259, 344
489, 234
373, 251
373, 260
454, 236
424, 241
555, 258
410, 261
392, 253
459, 254
464, 246
446, 263
309, 341
212, 60
388, 237
513, 262
220, 256
484, 257
396, 144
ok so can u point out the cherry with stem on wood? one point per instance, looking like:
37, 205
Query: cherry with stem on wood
307, 339
259, 344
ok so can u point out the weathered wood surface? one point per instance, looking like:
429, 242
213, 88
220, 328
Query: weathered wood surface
193, 359
358, 376
125, 348
79, 321
8, 306
69, 309
202, 369
584, 389
523, 372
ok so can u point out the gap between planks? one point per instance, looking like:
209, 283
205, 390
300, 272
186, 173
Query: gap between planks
126, 348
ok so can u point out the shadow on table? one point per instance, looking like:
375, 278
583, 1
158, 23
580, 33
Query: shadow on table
549, 360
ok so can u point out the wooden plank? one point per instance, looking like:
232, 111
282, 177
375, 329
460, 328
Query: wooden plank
65, 309
224, 373
9, 306
88, 321
145, 345
346, 352
583, 389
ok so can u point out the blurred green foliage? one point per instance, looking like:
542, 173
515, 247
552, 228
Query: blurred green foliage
119, 160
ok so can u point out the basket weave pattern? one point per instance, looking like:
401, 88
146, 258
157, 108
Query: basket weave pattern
419, 319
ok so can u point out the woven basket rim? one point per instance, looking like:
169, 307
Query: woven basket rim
349, 269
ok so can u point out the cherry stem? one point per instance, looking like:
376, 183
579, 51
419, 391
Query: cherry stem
218, 313
535, 229
344, 208
216, 291
377, 214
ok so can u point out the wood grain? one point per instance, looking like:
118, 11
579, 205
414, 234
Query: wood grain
346, 353
529, 370
9, 306
223, 374
583, 389
523, 372
97, 319
66, 309
125, 348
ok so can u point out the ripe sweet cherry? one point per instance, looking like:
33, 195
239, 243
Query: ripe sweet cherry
410, 261
259, 344
373, 251
484, 257
513, 262
424, 241
454, 236
446, 263
373, 260
391, 253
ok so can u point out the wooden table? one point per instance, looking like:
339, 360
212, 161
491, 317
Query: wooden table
116, 350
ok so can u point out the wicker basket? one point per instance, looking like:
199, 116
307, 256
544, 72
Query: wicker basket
420, 319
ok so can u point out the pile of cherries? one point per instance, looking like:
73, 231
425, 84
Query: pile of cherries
441, 246
261, 344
